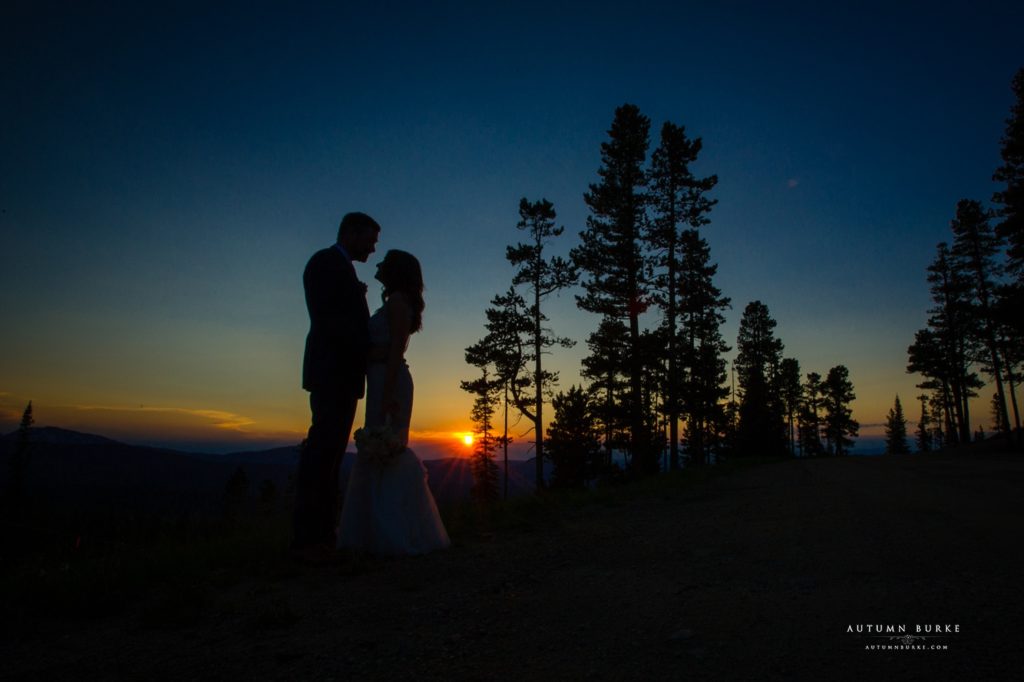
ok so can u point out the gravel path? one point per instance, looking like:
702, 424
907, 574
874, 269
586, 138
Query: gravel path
753, 575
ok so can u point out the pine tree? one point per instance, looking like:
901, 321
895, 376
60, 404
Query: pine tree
996, 411
761, 428
485, 389
542, 277
1011, 197
616, 284
606, 370
810, 417
503, 348
974, 251
678, 199
20, 457
896, 431
943, 351
923, 435
791, 392
840, 427
574, 448
702, 365
927, 357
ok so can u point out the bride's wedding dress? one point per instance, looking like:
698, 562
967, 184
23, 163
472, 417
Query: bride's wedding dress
389, 510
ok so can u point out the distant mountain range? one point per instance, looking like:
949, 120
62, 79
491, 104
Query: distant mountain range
83, 468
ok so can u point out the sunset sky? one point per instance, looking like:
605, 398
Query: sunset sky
166, 174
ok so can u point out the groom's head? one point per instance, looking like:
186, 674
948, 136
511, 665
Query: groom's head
358, 233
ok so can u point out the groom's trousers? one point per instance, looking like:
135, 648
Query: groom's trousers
316, 485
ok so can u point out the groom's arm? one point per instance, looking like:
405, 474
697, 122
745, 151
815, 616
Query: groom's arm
335, 301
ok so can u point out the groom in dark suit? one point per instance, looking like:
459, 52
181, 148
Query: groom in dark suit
334, 373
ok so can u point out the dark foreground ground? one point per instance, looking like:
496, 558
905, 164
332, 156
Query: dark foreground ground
754, 574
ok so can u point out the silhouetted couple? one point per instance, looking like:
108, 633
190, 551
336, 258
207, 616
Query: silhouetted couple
388, 508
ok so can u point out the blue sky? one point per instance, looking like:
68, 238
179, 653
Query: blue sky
167, 172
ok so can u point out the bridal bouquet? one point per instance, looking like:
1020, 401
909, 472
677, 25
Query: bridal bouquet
379, 443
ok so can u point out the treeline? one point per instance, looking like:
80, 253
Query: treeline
657, 392
977, 321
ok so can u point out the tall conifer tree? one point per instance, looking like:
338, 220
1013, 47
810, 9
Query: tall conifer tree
607, 371
19, 458
791, 392
896, 430
542, 276
1010, 212
501, 352
1011, 198
485, 390
616, 281
678, 200
944, 350
759, 353
974, 251
840, 426
923, 435
810, 417
702, 346
573, 439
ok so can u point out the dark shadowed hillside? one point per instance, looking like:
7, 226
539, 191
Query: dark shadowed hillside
79, 468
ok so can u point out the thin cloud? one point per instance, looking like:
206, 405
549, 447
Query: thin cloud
443, 436
217, 418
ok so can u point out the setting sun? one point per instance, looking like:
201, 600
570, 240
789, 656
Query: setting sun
468, 439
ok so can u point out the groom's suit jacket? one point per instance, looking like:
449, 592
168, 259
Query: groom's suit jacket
338, 339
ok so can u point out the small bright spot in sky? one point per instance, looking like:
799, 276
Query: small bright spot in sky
467, 439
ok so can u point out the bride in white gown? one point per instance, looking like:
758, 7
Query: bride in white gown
388, 509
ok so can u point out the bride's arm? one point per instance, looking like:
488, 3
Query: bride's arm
399, 323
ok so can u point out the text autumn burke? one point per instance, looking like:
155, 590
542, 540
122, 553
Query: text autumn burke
931, 629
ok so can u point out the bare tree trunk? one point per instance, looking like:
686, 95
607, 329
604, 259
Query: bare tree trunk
505, 493
1011, 381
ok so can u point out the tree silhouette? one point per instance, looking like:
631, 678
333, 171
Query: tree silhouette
542, 277
573, 442
996, 411
702, 347
943, 351
809, 427
485, 389
896, 431
677, 198
503, 348
20, 457
790, 392
758, 356
974, 251
923, 435
606, 369
1011, 198
617, 282
1010, 202
654, 379
840, 427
